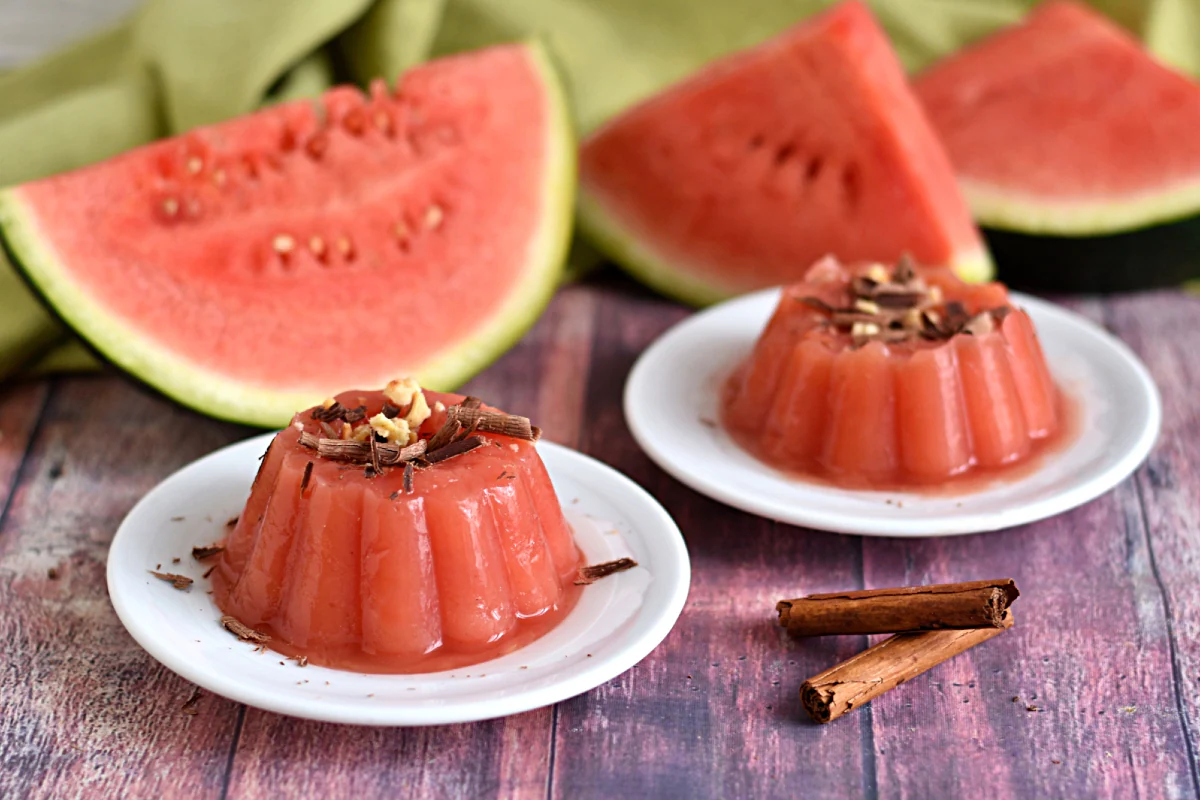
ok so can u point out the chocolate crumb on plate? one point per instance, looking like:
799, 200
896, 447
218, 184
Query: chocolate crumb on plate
178, 581
244, 633
205, 552
594, 572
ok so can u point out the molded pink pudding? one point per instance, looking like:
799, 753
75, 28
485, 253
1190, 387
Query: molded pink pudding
400, 531
884, 378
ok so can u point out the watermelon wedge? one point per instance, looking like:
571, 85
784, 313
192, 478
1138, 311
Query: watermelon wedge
749, 171
1075, 149
256, 266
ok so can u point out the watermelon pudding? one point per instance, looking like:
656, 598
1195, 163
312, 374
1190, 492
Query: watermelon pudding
870, 377
400, 531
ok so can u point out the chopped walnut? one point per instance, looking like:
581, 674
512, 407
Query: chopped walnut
393, 430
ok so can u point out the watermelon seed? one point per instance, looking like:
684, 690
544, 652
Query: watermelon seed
784, 153
287, 140
317, 246
170, 207
194, 165
219, 177
383, 122
433, 217
317, 145
345, 247
354, 122
283, 244
250, 166
813, 169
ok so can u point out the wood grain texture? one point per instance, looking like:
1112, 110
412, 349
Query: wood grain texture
1105, 647
84, 712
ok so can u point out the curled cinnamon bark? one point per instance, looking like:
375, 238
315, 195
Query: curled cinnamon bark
860, 679
974, 604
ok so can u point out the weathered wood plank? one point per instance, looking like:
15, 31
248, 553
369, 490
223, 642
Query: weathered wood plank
1156, 326
714, 711
20, 408
1090, 643
84, 712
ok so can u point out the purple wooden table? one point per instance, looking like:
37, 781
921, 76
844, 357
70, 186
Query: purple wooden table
1094, 693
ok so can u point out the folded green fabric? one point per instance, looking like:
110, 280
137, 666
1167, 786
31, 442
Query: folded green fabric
176, 64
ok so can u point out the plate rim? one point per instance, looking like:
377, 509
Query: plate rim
663, 620
946, 525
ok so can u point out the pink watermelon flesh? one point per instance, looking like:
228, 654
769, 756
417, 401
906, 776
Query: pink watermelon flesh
1065, 107
314, 246
746, 173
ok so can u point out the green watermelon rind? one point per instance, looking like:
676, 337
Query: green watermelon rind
1020, 212
217, 395
625, 248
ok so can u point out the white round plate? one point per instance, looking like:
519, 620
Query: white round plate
616, 623
671, 404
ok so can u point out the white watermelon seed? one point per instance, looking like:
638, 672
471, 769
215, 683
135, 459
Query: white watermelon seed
433, 217
170, 206
317, 245
283, 244
194, 165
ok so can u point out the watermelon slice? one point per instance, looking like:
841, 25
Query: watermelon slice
1076, 149
749, 171
254, 267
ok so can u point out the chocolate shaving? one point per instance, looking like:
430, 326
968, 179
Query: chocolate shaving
308, 468
904, 299
231, 522
334, 412
390, 410
408, 478
470, 401
594, 572
301, 661
337, 411
360, 452
243, 632
512, 425
900, 307
178, 581
209, 571
376, 464
453, 450
445, 435
329, 431
205, 552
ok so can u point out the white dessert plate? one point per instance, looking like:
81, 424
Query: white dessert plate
671, 405
616, 623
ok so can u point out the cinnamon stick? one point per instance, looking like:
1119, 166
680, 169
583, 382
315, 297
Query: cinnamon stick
860, 679
974, 604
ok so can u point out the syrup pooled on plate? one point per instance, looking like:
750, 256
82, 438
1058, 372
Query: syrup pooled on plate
869, 377
400, 531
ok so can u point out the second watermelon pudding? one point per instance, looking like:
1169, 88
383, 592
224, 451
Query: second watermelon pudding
399, 531
877, 377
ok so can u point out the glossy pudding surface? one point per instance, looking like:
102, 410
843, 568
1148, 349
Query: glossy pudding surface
421, 566
875, 377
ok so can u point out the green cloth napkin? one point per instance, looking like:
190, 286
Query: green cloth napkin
175, 64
